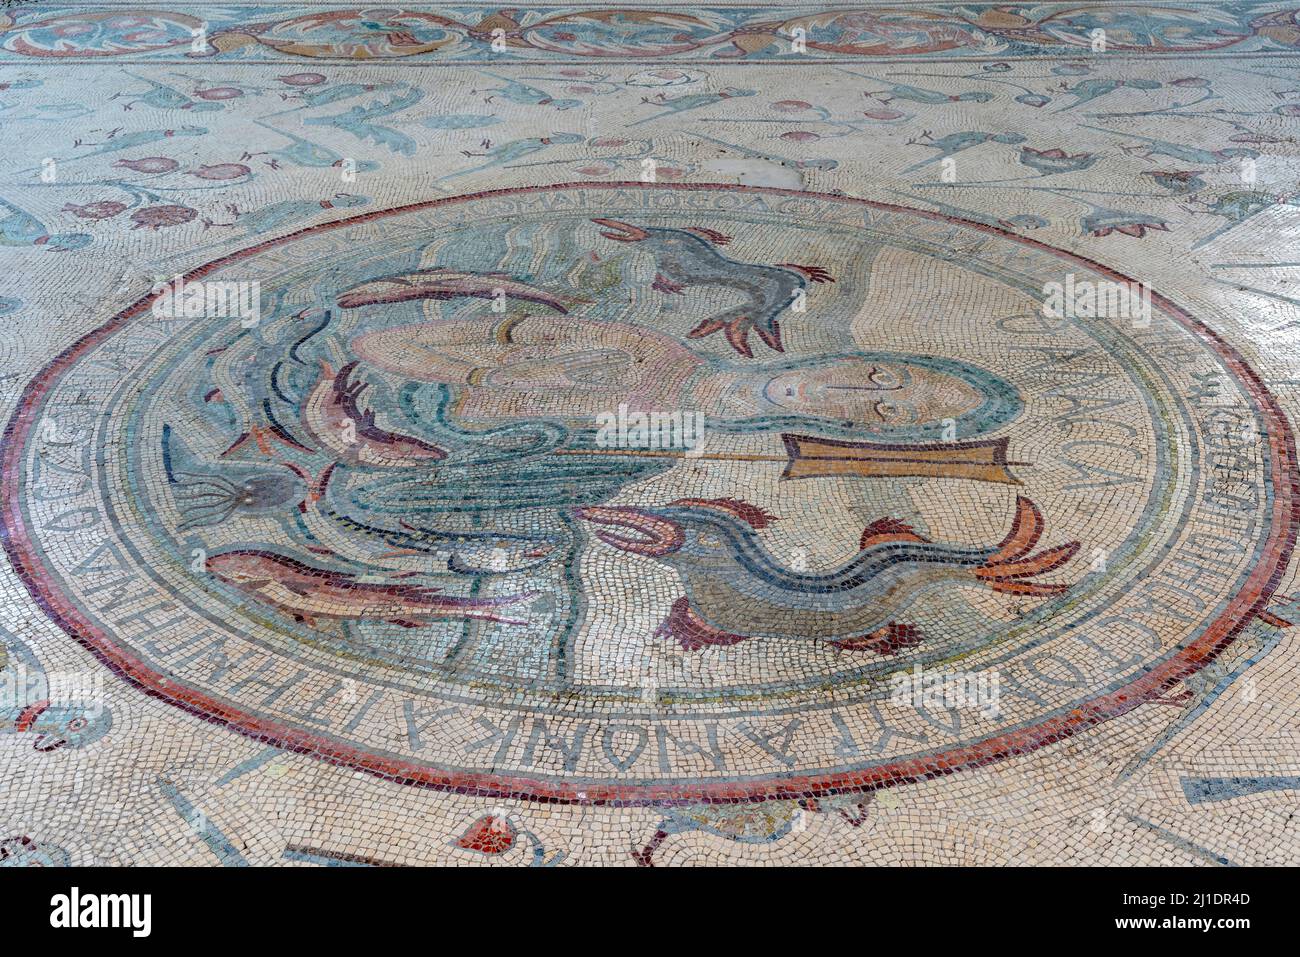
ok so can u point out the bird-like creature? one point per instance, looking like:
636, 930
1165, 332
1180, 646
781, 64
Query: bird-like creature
686, 258
737, 590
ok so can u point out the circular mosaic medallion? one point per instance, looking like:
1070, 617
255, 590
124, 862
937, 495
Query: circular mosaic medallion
651, 493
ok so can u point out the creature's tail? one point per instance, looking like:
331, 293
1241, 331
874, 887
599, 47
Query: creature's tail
1006, 569
691, 631
485, 609
737, 333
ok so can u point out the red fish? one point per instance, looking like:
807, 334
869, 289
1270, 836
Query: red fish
307, 593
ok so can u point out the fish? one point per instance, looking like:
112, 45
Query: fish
244, 374
309, 593
443, 284
29, 710
332, 416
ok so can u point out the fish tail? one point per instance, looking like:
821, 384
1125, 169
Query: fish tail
1014, 559
692, 632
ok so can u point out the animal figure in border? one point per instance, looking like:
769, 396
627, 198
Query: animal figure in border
27, 708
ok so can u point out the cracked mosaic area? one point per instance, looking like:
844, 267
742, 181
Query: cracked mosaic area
576, 436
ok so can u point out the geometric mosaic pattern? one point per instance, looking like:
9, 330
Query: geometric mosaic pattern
620, 436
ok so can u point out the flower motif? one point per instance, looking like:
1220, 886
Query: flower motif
104, 209
220, 171
302, 79
148, 164
156, 217
488, 835
220, 93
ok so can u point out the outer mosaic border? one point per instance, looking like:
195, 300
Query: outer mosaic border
714, 34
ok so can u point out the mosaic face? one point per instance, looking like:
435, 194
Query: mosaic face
383, 521
882, 394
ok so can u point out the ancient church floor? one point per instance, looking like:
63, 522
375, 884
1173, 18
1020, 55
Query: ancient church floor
649, 434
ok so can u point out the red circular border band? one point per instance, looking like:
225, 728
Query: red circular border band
1249, 602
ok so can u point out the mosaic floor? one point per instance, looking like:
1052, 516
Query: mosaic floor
641, 435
